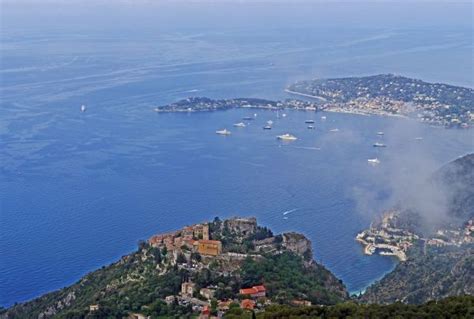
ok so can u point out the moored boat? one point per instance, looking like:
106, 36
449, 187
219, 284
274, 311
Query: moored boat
223, 132
374, 161
287, 137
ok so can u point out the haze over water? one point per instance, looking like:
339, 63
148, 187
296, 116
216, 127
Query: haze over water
78, 190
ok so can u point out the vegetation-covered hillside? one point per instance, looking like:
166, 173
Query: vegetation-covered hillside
430, 273
168, 276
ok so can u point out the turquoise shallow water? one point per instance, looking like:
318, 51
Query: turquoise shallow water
78, 190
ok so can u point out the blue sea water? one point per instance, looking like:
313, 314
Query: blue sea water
78, 190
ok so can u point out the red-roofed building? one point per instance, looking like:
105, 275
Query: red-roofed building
254, 292
205, 313
247, 304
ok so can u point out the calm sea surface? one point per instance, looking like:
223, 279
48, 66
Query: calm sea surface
78, 190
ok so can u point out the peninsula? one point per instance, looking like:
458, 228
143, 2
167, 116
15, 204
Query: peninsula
386, 94
393, 95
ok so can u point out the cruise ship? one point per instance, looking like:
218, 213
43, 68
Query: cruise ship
223, 132
287, 137
241, 124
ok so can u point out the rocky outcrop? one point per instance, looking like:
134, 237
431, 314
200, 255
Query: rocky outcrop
298, 244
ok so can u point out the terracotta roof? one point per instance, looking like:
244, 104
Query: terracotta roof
260, 288
247, 304
253, 290
247, 291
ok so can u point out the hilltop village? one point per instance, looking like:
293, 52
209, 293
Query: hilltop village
229, 268
223, 247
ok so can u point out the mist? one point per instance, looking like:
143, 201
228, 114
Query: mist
406, 180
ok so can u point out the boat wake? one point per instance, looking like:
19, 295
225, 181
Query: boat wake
289, 211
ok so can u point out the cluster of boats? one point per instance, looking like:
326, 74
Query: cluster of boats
376, 161
269, 126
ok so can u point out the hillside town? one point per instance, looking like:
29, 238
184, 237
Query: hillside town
220, 248
386, 239
387, 94
389, 237
453, 237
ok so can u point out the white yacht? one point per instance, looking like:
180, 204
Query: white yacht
374, 161
287, 137
380, 133
310, 127
334, 130
323, 118
377, 144
309, 121
223, 132
241, 124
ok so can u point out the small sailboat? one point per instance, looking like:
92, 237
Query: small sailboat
270, 122
223, 132
83, 108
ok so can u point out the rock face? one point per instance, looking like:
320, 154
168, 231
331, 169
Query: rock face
298, 244
242, 226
